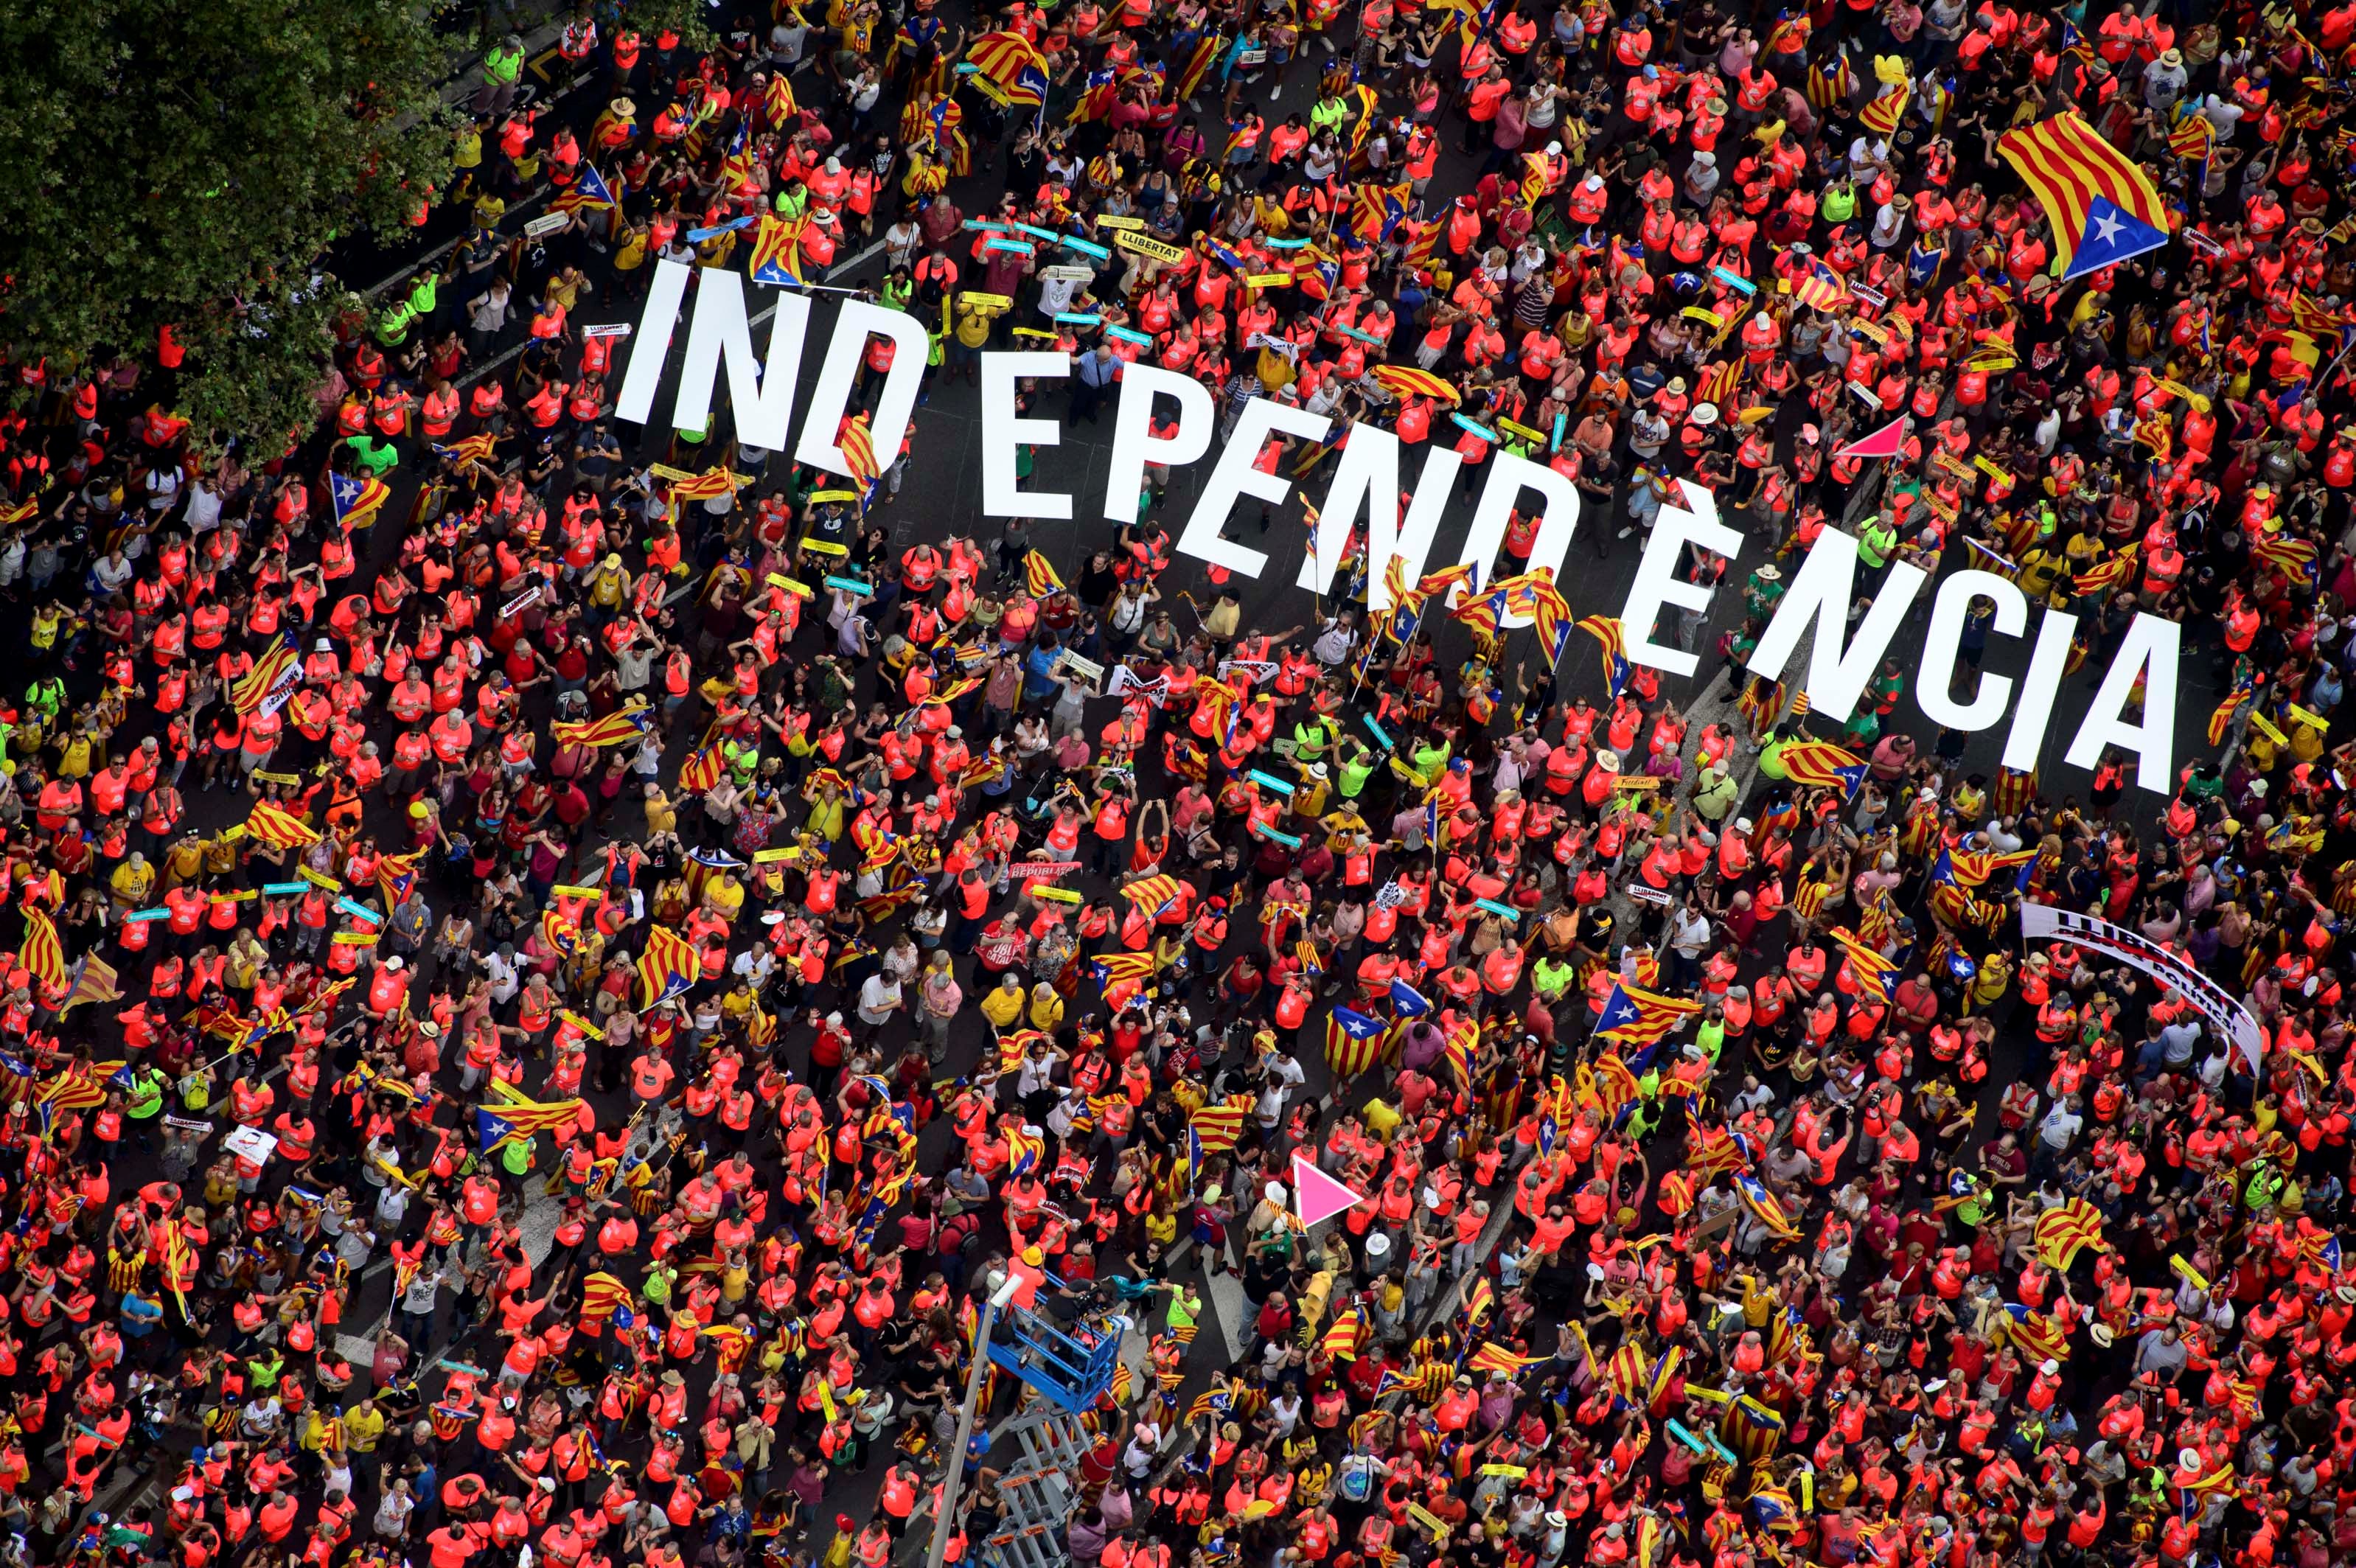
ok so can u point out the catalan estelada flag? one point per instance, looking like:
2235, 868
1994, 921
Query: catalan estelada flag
2191, 136
858, 446
280, 828
1354, 1042
1375, 210
1822, 288
475, 448
356, 500
668, 966
2038, 1339
777, 252
601, 1296
1634, 1018
1153, 891
590, 193
1347, 1333
706, 486
1614, 643
517, 1115
1040, 577
701, 770
1010, 61
2222, 719
272, 675
1719, 383
2103, 208
1829, 84
77, 1088
1406, 380
1820, 762
1764, 1203
2293, 557
2062, 1230
93, 981
41, 952
1495, 1357
1216, 1127
1881, 115
614, 729
1871, 969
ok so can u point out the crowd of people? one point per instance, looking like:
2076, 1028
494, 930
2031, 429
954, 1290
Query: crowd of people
527, 1042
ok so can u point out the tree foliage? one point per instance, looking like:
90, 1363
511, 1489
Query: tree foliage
163, 162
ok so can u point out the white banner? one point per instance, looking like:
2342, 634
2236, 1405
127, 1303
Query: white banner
2043, 922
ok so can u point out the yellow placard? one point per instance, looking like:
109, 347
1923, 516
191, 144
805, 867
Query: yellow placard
771, 856
1428, 1520
1267, 280
821, 496
2316, 721
826, 547
233, 897
986, 301
233, 834
354, 938
1696, 313
319, 879
1640, 783
578, 1022
595, 895
2189, 1272
1138, 244
798, 590
1109, 221
1039, 332
1512, 1472
1524, 431
1999, 475
1060, 895
665, 471
2259, 722
826, 1398
1869, 329
278, 777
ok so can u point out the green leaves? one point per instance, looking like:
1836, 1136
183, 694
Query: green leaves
164, 162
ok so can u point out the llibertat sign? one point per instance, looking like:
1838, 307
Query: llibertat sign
1165, 419
2226, 1014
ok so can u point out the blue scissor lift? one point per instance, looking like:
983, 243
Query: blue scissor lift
1068, 1369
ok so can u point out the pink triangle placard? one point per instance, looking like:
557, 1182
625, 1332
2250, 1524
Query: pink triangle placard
1886, 442
1317, 1196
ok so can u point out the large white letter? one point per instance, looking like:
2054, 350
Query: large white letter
1508, 476
1002, 432
2047, 663
763, 404
1368, 476
1235, 477
1933, 686
1657, 583
650, 344
1836, 676
857, 322
1134, 446
2149, 641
